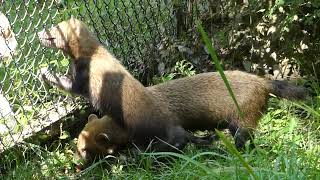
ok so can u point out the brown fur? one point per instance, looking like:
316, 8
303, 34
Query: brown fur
202, 102
204, 98
109, 87
198, 102
92, 139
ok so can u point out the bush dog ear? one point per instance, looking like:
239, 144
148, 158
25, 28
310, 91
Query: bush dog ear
92, 117
102, 138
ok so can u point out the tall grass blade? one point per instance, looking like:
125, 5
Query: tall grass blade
214, 57
236, 153
307, 108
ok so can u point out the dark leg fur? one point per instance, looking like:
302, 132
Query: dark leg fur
241, 135
178, 139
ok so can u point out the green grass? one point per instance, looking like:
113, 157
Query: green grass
287, 147
29, 98
287, 140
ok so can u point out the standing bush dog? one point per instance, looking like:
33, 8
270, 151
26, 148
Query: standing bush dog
110, 88
201, 102
195, 103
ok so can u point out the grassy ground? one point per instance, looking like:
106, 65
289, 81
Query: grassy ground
287, 140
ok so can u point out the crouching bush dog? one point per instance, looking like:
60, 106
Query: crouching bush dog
164, 111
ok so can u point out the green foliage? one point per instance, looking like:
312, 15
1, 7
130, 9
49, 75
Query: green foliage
164, 78
287, 147
184, 69
288, 30
181, 69
236, 153
287, 140
276, 37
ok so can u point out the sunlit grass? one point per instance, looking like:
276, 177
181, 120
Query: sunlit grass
287, 147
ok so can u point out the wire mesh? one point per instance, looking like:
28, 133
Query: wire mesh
128, 28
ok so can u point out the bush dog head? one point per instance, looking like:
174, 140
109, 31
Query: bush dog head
72, 37
97, 138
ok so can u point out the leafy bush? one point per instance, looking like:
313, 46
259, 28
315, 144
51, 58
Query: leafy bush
267, 37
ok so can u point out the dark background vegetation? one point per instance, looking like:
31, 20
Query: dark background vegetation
279, 38
157, 40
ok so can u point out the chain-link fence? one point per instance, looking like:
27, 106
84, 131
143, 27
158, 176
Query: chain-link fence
131, 29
